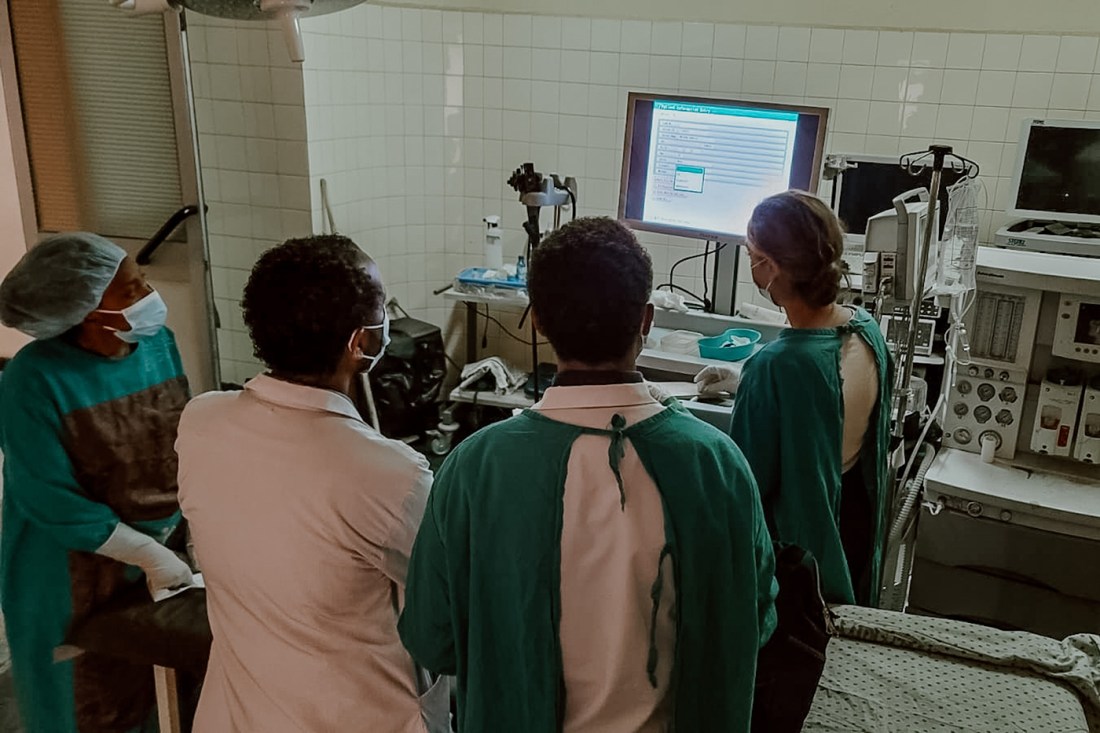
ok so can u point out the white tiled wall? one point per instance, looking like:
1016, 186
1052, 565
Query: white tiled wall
361, 145
416, 117
255, 167
393, 133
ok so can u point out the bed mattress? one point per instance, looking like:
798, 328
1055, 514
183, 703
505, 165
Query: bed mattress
887, 672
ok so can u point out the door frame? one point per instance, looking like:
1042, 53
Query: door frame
196, 240
13, 103
205, 373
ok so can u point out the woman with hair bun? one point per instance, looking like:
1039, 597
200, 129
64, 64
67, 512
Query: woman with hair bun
812, 411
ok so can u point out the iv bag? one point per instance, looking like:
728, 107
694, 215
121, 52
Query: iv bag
956, 268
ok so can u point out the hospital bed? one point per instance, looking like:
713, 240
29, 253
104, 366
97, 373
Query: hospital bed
885, 672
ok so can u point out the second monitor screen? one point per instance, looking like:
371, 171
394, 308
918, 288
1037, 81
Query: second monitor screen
704, 167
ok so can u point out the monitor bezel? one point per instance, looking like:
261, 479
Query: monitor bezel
676, 231
1017, 173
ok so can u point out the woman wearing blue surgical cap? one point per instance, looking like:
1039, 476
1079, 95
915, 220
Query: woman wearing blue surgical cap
88, 416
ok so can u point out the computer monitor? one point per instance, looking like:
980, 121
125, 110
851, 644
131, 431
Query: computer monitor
868, 184
1057, 170
696, 167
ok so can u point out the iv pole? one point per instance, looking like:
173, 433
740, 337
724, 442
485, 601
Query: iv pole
912, 164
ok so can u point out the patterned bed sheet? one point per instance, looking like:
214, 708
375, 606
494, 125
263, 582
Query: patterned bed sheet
888, 672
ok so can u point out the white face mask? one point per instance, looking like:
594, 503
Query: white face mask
146, 318
765, 291
384, 326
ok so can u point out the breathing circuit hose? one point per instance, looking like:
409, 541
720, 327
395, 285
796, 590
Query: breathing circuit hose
913, 488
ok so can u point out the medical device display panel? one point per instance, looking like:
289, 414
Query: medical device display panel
697, 167
896, 329
1077, 330
1002, 325
1056, 171
897, 234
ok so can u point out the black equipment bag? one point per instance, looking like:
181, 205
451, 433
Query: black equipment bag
790, 664
407, 383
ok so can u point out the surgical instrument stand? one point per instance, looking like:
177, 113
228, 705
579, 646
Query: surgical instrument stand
535, 192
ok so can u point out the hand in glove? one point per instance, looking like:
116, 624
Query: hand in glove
164, 570
715, 379
657, 393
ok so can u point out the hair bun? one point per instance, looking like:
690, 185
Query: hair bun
803, 237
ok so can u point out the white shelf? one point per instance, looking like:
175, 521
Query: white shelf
682, 363
516, 301
517, 400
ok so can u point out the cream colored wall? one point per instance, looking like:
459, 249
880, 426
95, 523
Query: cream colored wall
1053, 16
12, 241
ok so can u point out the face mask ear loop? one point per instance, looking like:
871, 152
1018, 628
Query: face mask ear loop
374, 358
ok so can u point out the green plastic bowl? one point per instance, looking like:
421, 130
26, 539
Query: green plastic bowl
718, 347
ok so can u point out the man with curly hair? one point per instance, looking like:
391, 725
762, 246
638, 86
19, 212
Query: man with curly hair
303, 516
601, 562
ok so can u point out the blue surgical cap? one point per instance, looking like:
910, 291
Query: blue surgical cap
58, 283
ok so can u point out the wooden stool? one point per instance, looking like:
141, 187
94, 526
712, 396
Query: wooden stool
172, 636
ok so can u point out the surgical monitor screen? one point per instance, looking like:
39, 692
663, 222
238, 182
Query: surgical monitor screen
698, 167
1059, 171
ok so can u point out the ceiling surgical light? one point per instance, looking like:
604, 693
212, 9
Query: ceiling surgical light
287, 13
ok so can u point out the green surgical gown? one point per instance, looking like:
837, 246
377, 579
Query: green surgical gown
789, 422
87, 443
484, 596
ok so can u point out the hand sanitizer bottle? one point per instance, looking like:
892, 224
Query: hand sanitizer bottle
494, 251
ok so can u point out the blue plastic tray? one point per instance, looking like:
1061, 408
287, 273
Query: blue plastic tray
476, 276
714, 346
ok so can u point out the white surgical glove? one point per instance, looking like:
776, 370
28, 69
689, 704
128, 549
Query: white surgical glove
657, 393
715, 379
163, 568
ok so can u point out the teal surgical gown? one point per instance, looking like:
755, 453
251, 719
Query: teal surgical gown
789, 422
483, 598
87, 443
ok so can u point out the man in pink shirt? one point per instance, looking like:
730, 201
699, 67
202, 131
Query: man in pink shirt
601, 562
303, 516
